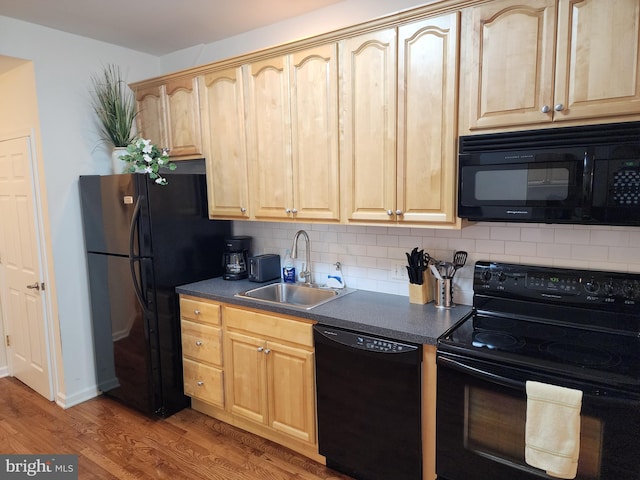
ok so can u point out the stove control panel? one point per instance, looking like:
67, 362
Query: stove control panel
562, 284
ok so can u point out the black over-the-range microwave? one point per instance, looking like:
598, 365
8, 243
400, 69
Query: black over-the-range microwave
582, 175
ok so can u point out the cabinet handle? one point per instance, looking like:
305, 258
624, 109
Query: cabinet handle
196, 312
267, 351
559, 107
545, 109
198, 343
260, 349
398, 212
294, 211
287, 211
200, 383
243, 210
389, 212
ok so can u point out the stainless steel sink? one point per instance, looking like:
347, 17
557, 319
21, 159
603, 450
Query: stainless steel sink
294, 295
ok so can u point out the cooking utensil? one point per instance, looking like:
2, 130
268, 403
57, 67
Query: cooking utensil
459, 259
435, 272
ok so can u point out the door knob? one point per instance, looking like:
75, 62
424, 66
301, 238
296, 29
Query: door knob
34, 286
559, 107
545, 109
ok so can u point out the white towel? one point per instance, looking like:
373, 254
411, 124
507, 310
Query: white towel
552, 432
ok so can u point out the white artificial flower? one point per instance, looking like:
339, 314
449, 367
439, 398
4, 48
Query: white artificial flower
147, 158
148, 170
147, 146
159, 180
160, 161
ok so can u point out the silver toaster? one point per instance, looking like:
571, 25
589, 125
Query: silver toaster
263, 268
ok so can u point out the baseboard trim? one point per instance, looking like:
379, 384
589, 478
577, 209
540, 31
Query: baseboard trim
68, 401
4, 371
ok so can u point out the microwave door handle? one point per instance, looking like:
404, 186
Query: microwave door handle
587, 184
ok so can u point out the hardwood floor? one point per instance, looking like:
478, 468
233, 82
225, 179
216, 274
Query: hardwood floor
115, 442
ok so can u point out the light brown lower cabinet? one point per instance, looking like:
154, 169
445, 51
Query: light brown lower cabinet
256, 370
253, 370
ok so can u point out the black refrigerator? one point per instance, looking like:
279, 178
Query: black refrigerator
142, 240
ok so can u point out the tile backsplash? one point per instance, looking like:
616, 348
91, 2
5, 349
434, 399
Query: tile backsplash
373, 258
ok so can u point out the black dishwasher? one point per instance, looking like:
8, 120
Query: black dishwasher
369, 404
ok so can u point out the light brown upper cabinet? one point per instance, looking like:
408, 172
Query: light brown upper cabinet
225, 143
169, 115
526, 69
398, 108
293, 135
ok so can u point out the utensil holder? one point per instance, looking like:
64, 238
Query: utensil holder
421, 294
444, 293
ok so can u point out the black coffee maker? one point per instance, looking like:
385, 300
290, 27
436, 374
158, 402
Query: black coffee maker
235, 258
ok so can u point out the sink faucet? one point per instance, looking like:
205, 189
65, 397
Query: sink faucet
306, 269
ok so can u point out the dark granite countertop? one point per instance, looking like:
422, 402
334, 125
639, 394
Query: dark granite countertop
390, 316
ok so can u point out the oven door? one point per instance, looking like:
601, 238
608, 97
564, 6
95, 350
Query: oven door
522, 186
481, 412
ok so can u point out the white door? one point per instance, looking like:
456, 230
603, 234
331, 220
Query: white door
22, 296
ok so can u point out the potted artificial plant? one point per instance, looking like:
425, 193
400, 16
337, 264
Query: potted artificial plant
115, 106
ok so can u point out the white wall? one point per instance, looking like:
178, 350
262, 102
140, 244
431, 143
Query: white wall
333, 17
370, 255
68, 147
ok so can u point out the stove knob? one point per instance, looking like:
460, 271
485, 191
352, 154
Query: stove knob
502, 277
631, 290
485, 276
609, 288
591, 286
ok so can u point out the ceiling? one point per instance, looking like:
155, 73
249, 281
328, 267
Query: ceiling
157, 27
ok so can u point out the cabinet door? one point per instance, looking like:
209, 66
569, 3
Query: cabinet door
368, 117
224, 142
427, 113
291, 386
183, 117
150, 120
598, 66
511, 66
314, 119
245, 371
270, 138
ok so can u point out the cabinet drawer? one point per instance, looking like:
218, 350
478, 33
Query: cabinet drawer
201, 342
203, 382
266, 325
199, 311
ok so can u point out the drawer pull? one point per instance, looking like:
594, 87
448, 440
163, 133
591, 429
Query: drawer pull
260, 349
267, 351
198, 343
196, 312
200, 383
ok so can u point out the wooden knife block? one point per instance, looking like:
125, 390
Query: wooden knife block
421, 294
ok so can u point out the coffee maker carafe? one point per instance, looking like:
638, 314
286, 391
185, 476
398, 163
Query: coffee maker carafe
235, 259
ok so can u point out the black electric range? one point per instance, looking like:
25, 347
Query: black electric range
577, 323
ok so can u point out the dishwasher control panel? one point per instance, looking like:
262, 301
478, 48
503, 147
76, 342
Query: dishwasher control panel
366, 342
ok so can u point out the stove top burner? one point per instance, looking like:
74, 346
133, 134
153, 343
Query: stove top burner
497, 340
581, 354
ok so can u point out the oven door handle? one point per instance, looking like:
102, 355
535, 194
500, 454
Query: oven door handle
518, 380
480, 373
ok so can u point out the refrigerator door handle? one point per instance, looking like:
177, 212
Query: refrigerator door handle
133, 258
